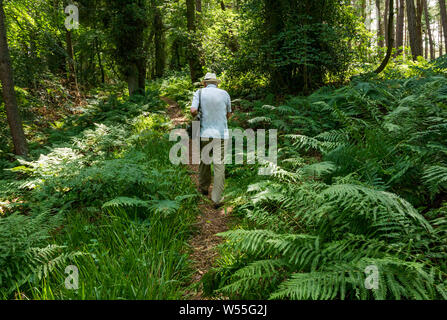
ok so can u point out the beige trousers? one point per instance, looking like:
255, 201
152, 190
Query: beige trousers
219, 168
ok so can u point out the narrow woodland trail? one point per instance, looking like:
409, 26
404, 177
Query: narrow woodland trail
209, 223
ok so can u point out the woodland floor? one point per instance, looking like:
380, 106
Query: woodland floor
209, 222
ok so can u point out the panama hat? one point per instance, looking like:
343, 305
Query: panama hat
210, 78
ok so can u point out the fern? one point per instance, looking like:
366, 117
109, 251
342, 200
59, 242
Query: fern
158, 206
125, 202
360, 167
23, 254
436, 178
353, 195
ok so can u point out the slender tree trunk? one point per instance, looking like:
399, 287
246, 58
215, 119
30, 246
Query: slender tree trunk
393, 31
400, 26
440, 38
387, 9
160, 56
199, 5
428, 28
390, 37
443, 12
71, 62
9, 96
101, 67
406, 42
175, 55
380, 31
414, 30
72, 77
193, 45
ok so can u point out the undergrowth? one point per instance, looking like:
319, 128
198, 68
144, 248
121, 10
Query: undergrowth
103, 196
360, 185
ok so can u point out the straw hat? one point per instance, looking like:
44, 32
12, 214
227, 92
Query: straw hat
210, 78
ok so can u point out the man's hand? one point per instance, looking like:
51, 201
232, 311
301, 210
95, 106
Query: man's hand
194, 112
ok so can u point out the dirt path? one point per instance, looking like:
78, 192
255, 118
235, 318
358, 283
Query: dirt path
209, 222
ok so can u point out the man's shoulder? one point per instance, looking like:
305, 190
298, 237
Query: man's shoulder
215, 89
223, 91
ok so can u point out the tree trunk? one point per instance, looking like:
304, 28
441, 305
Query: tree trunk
199, 5
400, 26
380, 30
406, 45
101, 67
129, 48
428, 28
9, 96
274, 24
414, 29
440, 38
390, 42
419, 14
193, 45
132, 79
174, 62
443, 19
141, 66
159, 43
72, 78
385, 22
71, 62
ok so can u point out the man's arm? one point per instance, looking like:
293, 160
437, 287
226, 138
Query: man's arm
195, 104
229, 111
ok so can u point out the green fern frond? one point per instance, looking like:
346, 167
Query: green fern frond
353, 195
125, 202
260, 120
251, 241
436, 178
318, 169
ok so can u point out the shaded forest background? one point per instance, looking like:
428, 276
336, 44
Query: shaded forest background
287, 46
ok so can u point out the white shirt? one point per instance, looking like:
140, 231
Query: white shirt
215, 104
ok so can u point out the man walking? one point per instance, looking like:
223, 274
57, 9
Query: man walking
215, 109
